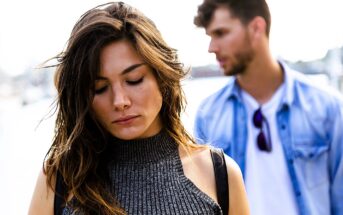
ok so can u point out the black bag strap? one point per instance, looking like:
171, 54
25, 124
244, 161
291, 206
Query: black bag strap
61, 189
221, 176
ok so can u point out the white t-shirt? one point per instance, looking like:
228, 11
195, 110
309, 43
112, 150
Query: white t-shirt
267, 180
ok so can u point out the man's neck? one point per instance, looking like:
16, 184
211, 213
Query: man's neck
261, 79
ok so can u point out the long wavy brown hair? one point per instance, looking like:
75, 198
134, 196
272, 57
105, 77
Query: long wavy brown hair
79, 149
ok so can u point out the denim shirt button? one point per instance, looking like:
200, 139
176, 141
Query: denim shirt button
283, 126
290, 161
298, 193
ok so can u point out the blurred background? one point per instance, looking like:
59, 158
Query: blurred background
305, 33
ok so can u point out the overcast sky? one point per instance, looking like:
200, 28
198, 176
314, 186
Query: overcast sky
33, 31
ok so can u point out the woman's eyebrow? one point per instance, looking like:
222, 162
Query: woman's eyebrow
132, 67
125, 71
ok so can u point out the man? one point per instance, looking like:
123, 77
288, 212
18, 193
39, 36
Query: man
283, 131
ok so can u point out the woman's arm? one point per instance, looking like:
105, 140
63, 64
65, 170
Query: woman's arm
42, 198
238, 201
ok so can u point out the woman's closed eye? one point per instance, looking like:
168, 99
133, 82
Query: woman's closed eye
135, 82
100, 90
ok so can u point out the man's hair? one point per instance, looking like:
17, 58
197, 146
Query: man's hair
244, 10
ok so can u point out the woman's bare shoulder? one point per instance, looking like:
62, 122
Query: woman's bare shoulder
238, 201
198, 167
42, 198
197, 156
233, 168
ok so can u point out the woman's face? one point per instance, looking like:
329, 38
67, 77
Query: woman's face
127, 98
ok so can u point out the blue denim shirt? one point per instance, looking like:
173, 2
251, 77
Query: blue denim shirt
310, 125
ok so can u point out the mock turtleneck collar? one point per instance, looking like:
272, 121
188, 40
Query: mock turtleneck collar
146, 150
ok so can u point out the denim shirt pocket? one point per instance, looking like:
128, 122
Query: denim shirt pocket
311, 156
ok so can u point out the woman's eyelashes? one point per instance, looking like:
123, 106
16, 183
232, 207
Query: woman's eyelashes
135, 82
102, 89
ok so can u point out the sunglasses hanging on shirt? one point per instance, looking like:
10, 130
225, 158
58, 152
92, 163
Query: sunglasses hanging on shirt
259, 120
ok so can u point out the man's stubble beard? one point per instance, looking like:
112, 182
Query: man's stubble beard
243, 58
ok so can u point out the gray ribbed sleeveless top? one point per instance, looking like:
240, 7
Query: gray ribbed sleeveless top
148, 178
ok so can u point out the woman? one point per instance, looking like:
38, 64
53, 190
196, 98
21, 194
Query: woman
120, 146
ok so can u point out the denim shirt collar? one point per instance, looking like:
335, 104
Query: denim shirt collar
288, 98
234, 91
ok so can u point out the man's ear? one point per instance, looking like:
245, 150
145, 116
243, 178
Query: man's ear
257, 27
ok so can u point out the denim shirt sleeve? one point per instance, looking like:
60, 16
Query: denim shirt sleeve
208, 115
199, 133
336, 158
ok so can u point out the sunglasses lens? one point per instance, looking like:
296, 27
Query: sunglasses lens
262, 143
258, 118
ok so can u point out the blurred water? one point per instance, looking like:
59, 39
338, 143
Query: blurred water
24, 142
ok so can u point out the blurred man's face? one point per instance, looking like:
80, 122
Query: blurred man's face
230, 42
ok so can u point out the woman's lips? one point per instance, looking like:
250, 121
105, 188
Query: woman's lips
125, 120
